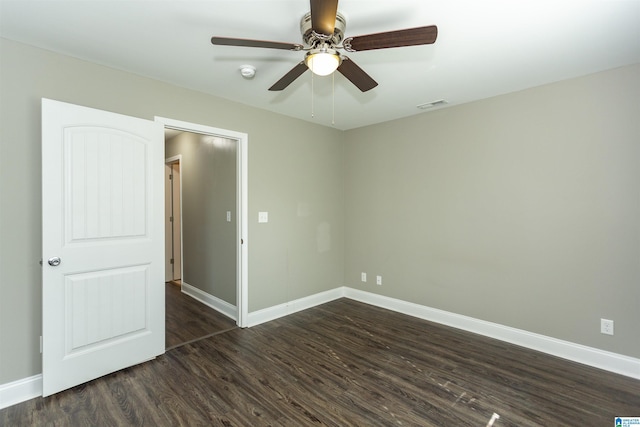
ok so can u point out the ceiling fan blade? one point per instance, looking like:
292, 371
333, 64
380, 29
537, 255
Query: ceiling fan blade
323, 16
227, 41
399, 38
356, 75
288, 78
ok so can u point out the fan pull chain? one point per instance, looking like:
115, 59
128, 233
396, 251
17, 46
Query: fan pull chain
312, 114
333, 99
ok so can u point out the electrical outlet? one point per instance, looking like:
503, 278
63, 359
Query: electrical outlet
378, 280
363, 276
606, 326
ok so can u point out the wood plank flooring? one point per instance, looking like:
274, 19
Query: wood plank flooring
343, 364
188, 319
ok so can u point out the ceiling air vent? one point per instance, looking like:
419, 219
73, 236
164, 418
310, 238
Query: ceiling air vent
432, 104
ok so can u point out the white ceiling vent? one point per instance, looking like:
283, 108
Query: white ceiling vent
432, 104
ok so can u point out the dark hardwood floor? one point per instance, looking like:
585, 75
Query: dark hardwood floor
343, 364
188, 319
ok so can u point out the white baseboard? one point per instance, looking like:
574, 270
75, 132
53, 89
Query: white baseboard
281, 310
216, 303
20, 391
29, 388
613, 362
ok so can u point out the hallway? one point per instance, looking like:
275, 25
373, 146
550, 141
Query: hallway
188, 320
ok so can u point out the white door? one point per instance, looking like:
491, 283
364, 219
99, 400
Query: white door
102, 242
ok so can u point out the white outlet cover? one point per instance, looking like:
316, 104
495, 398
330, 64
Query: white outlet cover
263, 216
228, 216
606, 326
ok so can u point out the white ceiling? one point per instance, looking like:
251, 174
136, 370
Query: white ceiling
484, 48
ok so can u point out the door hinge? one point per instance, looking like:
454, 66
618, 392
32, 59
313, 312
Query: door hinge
170, 219
40, 344
170, 176
171, 261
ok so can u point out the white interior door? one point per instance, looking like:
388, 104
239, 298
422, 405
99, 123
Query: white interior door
103, 250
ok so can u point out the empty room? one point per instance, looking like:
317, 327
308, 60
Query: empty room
400, 213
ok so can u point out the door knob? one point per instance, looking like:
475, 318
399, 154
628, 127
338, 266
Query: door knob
54, 262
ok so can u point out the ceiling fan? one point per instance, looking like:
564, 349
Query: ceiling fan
322, 34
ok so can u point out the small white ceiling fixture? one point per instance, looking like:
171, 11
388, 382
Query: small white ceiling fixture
248, 71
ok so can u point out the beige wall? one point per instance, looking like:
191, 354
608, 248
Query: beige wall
522, 209
291, 163
208, 175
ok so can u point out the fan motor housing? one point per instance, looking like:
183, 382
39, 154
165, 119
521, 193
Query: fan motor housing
311, 38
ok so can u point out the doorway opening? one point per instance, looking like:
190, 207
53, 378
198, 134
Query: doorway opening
228, 211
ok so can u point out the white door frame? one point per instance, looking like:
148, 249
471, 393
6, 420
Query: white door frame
177, 159
242, 270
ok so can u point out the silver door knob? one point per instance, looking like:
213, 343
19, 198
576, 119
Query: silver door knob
54, 262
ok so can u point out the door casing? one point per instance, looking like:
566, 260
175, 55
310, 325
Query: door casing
242, 275
173, 227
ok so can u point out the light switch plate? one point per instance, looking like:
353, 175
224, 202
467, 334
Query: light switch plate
263, 216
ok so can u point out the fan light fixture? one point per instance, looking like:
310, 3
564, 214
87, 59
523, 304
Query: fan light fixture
322, 31
322, 61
